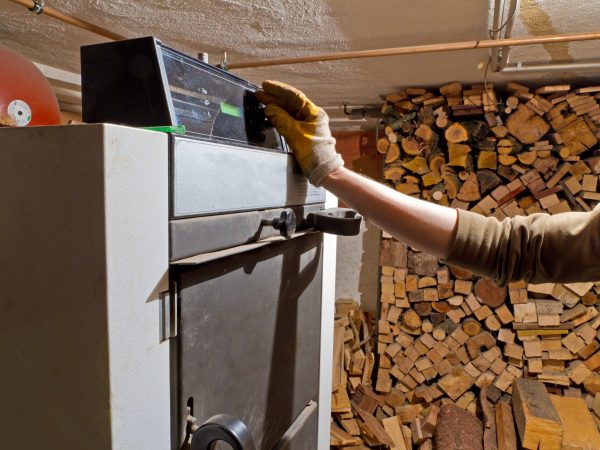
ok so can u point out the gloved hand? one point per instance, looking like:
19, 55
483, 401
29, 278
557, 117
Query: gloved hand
304, 126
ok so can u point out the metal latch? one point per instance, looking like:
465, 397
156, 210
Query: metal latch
340, 221
168, 312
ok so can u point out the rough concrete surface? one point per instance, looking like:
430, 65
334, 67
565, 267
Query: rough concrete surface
259, 29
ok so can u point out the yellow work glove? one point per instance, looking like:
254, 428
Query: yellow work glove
304, 126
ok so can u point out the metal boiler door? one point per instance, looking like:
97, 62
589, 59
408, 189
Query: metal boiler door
248, 342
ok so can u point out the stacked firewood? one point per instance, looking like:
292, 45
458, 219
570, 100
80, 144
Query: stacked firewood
445, 336
353, 401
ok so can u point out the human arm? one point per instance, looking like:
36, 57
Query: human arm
423, 225
538, 248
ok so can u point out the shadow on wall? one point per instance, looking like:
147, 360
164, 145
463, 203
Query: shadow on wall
358, 256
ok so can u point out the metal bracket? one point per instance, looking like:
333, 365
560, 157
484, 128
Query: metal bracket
168, 313
38, 7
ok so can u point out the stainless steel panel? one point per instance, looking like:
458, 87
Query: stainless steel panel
302, 435
197, 235
249, 336
209, 178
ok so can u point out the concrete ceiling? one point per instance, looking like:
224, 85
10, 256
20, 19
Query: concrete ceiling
260, 29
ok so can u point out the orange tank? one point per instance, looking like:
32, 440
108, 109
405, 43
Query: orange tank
26, 97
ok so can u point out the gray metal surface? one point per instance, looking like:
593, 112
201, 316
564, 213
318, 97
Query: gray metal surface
249, 337
197, 235
302, 435
209, 178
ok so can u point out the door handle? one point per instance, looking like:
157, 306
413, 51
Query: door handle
340, 221
225, 428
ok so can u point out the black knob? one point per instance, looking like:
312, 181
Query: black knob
285, 223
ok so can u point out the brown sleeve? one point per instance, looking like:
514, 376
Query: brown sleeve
562, 248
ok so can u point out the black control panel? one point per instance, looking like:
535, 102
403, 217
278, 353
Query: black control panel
142, 82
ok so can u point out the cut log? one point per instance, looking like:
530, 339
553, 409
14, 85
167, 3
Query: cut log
451, 181
489, 293
526, 126
411, 319
469, 191
527, 158
505, 427
487, 160
471, 326
393, 253
382, 145
373, 426
417, 165
536, 418
340, 437
508, 146
453, 89
489, 420
458, 155
422, 263
411, 146
394, 173
456, 133
393, 427
579, 430
393, 153
456, 383
488, 180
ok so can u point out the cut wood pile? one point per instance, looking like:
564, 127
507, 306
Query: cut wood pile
450, 346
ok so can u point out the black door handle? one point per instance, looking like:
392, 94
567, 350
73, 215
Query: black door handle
340, 221
225, 428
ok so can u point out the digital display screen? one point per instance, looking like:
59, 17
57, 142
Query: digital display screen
234, 111
214, 106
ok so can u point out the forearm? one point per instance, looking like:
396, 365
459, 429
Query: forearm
426, 226
538, 248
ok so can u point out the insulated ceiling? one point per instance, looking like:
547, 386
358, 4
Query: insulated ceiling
259, 29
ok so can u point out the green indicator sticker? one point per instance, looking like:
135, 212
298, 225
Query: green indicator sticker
231, 110
177, 129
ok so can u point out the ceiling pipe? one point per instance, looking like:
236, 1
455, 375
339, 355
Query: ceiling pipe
520, 68
418, 49
38, 7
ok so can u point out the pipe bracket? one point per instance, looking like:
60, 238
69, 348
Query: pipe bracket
38, 7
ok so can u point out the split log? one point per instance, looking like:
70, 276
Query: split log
536, 418
490, 294
579, 430
456, 133
382, 145
488, 180
526, 126
452, 183
505, 427
394, 173
508, 146
411, 146
469, 191
393, 153
471, 326
417, 165
489, 420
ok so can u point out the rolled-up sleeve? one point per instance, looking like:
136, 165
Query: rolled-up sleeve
562, 248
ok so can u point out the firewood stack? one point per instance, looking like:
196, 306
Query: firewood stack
447, 336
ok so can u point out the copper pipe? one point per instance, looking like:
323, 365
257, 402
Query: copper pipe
72, 20
430, 48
